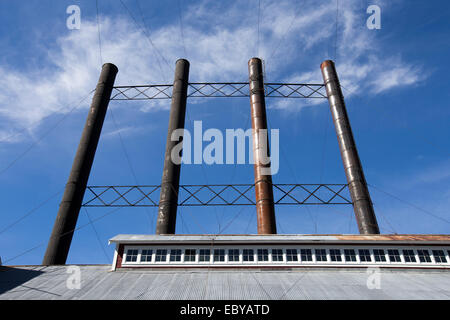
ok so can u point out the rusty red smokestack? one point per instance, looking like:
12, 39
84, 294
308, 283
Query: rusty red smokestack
263, 179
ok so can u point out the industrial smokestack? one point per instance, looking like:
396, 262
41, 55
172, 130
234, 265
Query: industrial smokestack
263, 179
168, 203
362, 204
66, 220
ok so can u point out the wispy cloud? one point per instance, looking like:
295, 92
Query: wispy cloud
360, 58
124, 131
219, 40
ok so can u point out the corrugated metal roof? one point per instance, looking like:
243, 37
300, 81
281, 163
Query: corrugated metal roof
97, 282
146, 238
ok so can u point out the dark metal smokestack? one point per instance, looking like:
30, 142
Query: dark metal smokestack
263, 182
66, 220
167, 212
362, 204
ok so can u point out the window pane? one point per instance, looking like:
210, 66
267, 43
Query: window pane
364, 255
189, 255
439, 256
146, 255
321, 255
335, 255
263, 255
131, 255
175, 255
424, 255
219, 255
291, 255
205, 255
277, 255
394, 255
409, 256
247, 254
161, 255
350, 255
233, 255
306, 254
379, 255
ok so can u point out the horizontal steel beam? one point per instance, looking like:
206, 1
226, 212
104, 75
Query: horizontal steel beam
220, 89
216, 195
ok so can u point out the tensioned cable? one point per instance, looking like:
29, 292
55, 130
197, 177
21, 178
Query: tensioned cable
285, 33
395, 197
283, 154
73, 230
235, 165
45, 134
203, 170
181, 28
99, 37
146, 35
248, 224
30, 212
410, 204
124, 149
97, 236
420, 136
380, 212
259, 13
183, 222
383, 216
336, 35
163, 74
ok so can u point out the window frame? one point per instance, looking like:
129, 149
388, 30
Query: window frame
125, 257
311, 254
263, 255
254, 259
152, 255
290, 250
338, 255
372, 259
386, 259
225, 260
425, 256
296, 255
443, 256
326, 255
414, 254
238, 255
355, 254
200, 255
272, 255
195, 255
166, 255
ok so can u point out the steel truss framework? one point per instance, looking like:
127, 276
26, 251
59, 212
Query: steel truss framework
216, 195
220, 89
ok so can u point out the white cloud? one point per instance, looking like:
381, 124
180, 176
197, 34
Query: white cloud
396, 77
219, 40
361, 62
123, 131
430, 175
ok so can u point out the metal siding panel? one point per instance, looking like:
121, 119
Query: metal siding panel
97, 282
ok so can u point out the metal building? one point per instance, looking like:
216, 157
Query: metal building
263, 266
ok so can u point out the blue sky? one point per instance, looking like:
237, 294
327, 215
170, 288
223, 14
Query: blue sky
395, 84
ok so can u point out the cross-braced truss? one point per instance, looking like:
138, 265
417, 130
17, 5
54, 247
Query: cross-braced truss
219, 89
216, 195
